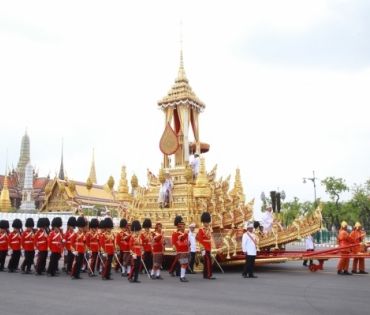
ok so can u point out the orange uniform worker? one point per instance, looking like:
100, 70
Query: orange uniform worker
28, 246
358, 235
40, 241
344, 240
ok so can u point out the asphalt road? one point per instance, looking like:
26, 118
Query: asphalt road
286, 288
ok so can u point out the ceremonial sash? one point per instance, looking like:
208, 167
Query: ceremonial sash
251, 238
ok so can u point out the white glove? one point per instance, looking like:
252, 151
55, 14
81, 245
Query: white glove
89, 252
10, 252
49, 254
104, 255
22, 252
36, 252
203, 252
65, 252
134, 256
75, 253
174, 253
63, 241
142, 252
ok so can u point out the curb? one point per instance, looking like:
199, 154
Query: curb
316, 245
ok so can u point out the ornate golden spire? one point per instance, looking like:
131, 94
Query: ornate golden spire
238, 187
92, 170
5, 203
123, 194
202, 188
61, 170
181, 92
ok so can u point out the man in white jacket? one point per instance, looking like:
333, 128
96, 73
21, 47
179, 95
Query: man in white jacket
250, 251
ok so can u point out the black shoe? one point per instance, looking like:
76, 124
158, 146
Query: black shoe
37, 274
354, 271
253, 276
140, 272
305, 265
105, 278
24, 272
159, 278
51, 275
184, 280
347, 273
3, 270
363, 272
152, 277
173, 274
64, 269
136, 281
130, 279
92, 275
340, 272
245, 276
210, 278
76, 278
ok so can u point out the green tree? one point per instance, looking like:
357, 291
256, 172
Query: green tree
334, 187
360, 204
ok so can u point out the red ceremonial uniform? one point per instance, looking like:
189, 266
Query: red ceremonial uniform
107, 243
40, 241
55, 241
14, 240
67, 237
78, 242
92, 241
135, 245
181, 242
123, 240
27, 240
3, 241
158, 246
204, 237
146, 240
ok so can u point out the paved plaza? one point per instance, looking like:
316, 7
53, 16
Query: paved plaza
286, 288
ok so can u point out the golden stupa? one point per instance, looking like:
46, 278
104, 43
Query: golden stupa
227, 205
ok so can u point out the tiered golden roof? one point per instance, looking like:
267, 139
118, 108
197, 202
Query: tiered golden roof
181, 92
123, 189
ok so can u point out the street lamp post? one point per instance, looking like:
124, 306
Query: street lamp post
313, 180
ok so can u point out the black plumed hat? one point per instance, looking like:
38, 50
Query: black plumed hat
147, 223
29, 223
17, 223
80, 222
123, 223
72, 221
108, 224
42, 222
57, 222
136, 226
4, 224
206, 217
102, 224
178, 220
94, 223
256, 224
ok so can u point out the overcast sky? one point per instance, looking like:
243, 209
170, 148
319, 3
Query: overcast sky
286, 85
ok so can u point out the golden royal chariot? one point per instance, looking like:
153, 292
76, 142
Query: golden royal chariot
227, 205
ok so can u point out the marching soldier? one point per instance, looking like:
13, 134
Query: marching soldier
344, 240
158, 249
181, 244
136, 249
40, 242
146, 241
55, 243
14, 242
4, 226
78, 248
101, 260
92, 243
68, 255
123, 246
28, 247
358, 235
107, 248
205, 236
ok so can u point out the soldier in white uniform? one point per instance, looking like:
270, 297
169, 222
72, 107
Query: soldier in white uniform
193, 246
250, 251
